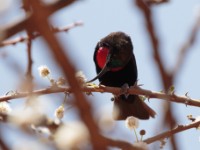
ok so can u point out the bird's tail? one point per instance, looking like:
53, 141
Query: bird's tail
131, 106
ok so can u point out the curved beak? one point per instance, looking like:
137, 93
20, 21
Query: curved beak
105, 69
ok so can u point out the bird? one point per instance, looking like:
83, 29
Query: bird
116, 67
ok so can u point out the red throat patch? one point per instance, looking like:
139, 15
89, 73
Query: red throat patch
101, 56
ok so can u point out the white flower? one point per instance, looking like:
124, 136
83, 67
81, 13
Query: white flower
73, 135
26, 116
132, 122
5, 108
141, 145
80, 77
59, 112
44, 71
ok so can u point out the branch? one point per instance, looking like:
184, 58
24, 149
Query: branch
191, 39
35, 35
154, 41
121, 144
29, 76
40, 22
3, 145
14, 28
167, 78
169, 133
88, 89
53, 126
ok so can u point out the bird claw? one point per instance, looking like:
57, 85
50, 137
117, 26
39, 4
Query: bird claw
124, 90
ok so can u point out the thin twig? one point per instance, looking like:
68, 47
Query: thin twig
29, 76
14, 28
35, 35
191, 39
169, 133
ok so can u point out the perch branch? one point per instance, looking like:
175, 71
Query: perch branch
134, 90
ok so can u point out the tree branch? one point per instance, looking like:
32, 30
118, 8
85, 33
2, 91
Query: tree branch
191, 38
134, 90
169, 133
14, 28
35, 35
40, 23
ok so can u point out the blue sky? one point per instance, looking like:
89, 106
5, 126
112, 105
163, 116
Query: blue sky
173, 24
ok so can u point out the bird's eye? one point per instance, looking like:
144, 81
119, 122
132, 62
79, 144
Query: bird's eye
104, 45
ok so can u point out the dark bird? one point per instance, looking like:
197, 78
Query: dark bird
116, 66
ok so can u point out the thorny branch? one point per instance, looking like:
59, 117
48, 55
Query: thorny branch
35, 35
88, 89
12, 29
169, 133
69, 69
191, 38
166, 76
41, 25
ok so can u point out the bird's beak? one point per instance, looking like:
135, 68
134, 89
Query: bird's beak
105, 69
101, 73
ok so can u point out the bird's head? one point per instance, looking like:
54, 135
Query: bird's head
112, 53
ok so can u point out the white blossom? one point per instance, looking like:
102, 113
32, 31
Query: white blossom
80, 78
59, 112
72, 135
132, 122
141, 145
43, 71
5, 108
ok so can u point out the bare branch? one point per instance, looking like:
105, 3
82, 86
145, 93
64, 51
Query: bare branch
35, 35
191, 39
134, 90
41, 25
154, 41
169, 133
14, 28
29, 76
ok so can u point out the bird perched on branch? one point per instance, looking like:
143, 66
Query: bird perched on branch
116, 66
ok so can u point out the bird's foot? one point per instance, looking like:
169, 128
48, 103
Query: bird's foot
125, 90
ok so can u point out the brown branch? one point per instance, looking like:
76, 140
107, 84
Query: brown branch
3, 145
121, 144
88, 89
167, 78
52, 125
29, 76
40, 22
154, 41
191, 39
169, 133
14, 28
35, 35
